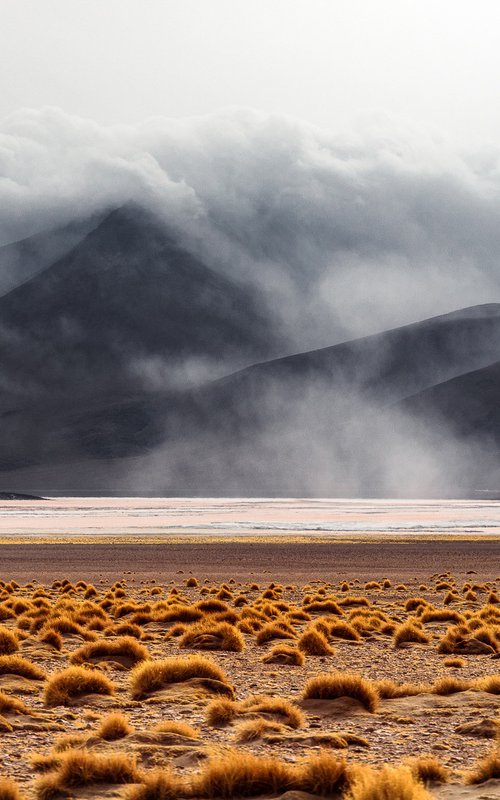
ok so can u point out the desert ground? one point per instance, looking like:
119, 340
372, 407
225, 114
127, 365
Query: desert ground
266, 667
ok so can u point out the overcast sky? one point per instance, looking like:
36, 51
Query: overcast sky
433, 63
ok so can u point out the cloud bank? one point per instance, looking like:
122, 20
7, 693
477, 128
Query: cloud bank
348, 233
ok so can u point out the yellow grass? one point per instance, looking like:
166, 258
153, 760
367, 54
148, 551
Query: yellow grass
64, 687
340, 684
114, 726
152, 676
125, 646
17, 665
388, 783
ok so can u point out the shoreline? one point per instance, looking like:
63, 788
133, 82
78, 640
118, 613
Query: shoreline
288, 560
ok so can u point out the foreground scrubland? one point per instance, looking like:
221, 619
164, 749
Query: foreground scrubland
363, 690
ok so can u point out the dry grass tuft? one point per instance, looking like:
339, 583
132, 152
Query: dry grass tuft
486, 769
457, 662
339, 684
152, 676
388, 783
9, 790
125, 647
221, 712
314, 643
17, 665
83, 768
51, 638
254, 729
280, 707
208, 635
8, 642
344, 630
450, 685
428, 769
12, 705
245, 775
242, 775
74, 682
284, 654
180, 728
160, 784
114, 726
409, 632
275, 630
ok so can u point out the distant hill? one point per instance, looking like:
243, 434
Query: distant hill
20, 261
125, 302
398, 412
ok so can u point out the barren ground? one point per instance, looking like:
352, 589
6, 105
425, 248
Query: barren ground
417, 724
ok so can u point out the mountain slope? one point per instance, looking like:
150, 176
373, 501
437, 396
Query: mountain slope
127, 300
468, 404
21, 260
333, 421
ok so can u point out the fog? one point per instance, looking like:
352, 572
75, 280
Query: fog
341, 234
349, 232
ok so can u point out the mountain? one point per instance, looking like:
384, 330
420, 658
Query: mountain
21, 260
371, 416
468, 404
125, 307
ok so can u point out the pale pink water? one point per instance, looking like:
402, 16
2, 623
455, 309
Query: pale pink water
134, 516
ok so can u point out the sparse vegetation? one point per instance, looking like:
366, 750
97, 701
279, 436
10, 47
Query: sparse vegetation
74, 682
338, 684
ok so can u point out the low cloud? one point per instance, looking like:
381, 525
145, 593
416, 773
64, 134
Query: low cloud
348, 233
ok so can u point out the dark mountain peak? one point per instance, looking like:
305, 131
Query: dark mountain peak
127, 293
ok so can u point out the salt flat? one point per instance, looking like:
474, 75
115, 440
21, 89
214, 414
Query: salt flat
229, 517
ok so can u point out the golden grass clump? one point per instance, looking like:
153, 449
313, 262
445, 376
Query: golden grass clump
323, 607
239, 774
221, 712
124, 648
254, 729
456, 663
428, 769
450, 685
440, 615
179, 728
9, 790
12, 705
75, 682
8, 641
17, 665
152, 676
275, 630
242, 775
284, 654
409, 632
159, 784
79, 768
388, 783
331, 686
486, 769
286, 711
51, 638
314, 643
207, 635
344, 630
114, 726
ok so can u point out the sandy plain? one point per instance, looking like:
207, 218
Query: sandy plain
437, 570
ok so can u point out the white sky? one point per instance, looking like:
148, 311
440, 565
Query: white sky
435, 63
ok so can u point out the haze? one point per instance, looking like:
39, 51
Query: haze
328, 62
